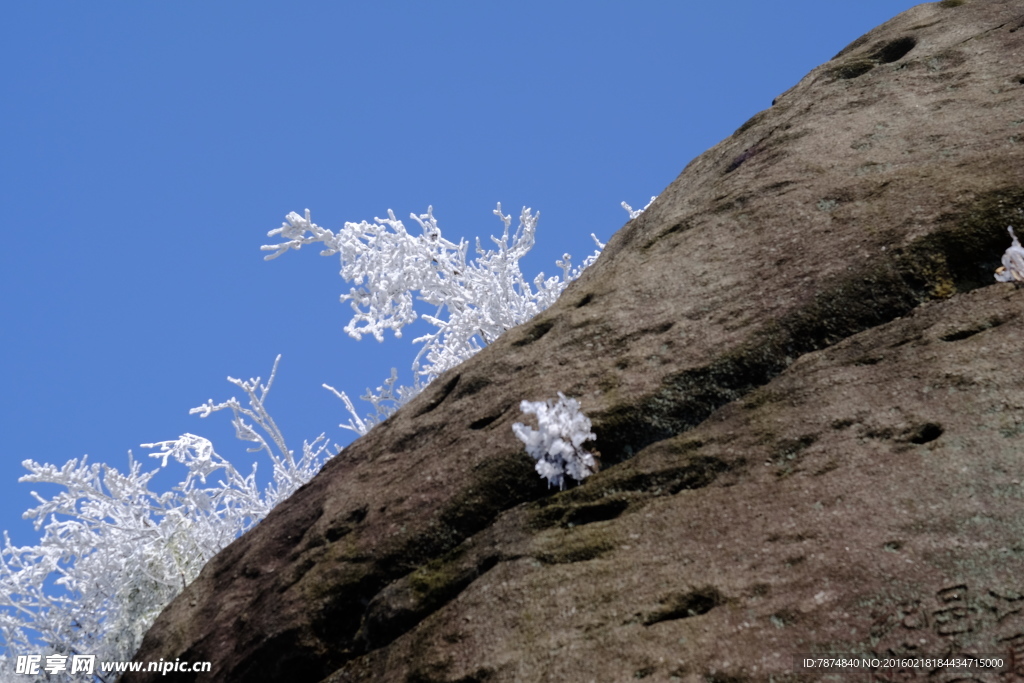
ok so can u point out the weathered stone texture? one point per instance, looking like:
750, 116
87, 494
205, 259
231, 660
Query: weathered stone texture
809, 399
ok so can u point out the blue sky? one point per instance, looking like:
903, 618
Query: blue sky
147, 148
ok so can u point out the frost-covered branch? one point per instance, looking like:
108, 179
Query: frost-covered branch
633, 213
114, 552
473, 301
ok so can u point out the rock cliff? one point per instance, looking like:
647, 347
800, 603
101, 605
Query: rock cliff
808, 392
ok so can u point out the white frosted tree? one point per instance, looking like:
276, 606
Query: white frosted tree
473, 301
114, 552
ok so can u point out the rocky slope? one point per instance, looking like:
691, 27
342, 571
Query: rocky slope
809, 399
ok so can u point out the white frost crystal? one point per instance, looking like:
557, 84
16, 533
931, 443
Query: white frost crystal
1013, 262
557, 445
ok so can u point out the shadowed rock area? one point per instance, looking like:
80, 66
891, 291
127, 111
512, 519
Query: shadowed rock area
808, 393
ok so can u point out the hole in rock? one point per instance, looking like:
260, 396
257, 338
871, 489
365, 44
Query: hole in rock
598, 512
535, 333
929, 431
484, 421
691, 604
895, 50
440, 396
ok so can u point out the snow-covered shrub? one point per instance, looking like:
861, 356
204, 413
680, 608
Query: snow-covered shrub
114, 552
557, 443
1012, 269
476, 300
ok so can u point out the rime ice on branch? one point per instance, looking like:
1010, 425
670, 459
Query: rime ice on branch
114, 552
474, 301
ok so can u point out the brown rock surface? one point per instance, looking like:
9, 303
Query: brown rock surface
809, 400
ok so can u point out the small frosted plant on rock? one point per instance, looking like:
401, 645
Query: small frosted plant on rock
557, 444
1012, 269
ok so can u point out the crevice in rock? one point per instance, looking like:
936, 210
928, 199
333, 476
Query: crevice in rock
470, 386
615, 491
344, 526
534, 332
966, 333
673, 229
961, 334
406, 602
959, 257
738, 161
888, 53
439, 395
597, 512
895, 50
924, 433
685, 605
485, 421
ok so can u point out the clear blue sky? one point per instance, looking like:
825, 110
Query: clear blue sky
148, 147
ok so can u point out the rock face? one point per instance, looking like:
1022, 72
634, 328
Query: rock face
808, 393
